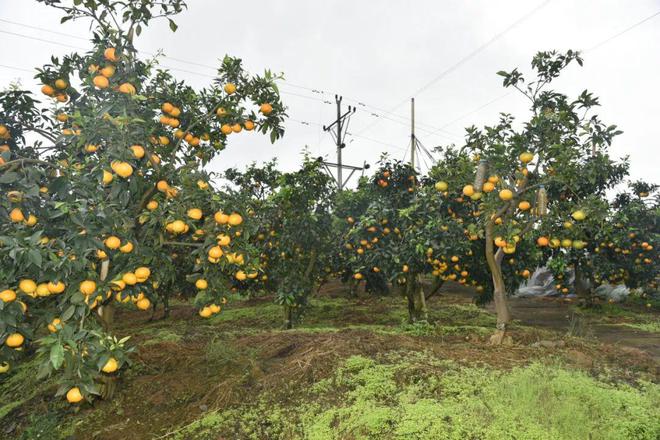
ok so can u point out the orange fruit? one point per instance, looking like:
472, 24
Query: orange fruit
27, 286
16, 215
201, 284
54, 325
101, 82
266, 108
235, 219
194, 213
110, 366
74, 395
506, 194
47, 90
108, 71
110, 54
87, 287
112, 242
14, 340
152, 205
7, 296
162, 186
249, 125
230, 88
542, 241
524, 205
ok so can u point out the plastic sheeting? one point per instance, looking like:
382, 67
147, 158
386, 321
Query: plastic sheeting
542, 283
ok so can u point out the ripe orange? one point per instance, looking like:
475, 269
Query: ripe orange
123, 169
524, 205
129, 278
112, 242
235, 219
108, 71
110, 54
506, 194
226, 129
236, 128
107, 177
468, 190
488, 187
167, 107
142, 273
111, 366
162, 186
230, 88
249, 125
240, 275
74, 395
201, 284
87, 287
101, 82
7, 296
56, 287
16, 215
47, 90
542, 241
14, 340
194, 213
27, 286
266, 108
357, 276
205, 312
215, 252
143, 304
127, 248
152, 205
54, 325
138, 151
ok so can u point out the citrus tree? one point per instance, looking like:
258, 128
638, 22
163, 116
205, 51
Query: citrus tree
405, 232
555, 164
105, 192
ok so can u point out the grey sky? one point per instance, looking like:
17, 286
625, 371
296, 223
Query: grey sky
379, 53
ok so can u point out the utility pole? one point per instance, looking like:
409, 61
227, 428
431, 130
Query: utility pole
413, 139
338, 132
418, 152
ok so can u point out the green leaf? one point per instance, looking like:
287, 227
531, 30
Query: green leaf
35, 257
173, 25
56, 355
9, 177
68, 313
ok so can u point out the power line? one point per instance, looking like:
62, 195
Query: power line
431, 130
465, 59
591, 49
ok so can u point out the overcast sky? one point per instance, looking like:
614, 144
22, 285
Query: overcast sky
380, 53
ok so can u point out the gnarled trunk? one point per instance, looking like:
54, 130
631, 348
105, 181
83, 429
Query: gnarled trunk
494, 261
106, 312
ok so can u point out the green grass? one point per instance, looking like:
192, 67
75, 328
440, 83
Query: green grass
416, 396
651, 326
20, 386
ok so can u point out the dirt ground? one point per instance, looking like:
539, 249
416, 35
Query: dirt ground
184, 367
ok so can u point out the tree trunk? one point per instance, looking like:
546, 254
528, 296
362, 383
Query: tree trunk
421, 311
288, 317
494, 261
437, 285
582, 287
